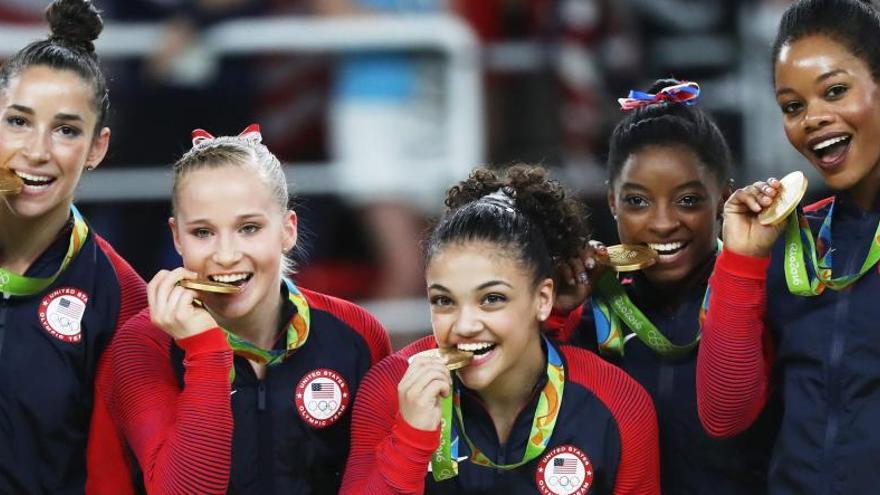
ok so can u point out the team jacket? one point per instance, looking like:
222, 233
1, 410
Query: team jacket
691, 461
820, 354
605, 439
51, 356
194, 431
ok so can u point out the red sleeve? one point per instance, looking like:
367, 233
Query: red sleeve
388, 456
735, 356
639, 470
182, 438
108, 468
561, 325
358, 319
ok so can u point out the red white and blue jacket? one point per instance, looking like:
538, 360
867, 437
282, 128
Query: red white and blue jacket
51, 360
604, 441
819, 355
194, 431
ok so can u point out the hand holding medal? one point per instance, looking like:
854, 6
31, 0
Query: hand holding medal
754, 215
173, 307
426, 382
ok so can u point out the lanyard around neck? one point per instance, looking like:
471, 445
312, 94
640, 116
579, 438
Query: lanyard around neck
444, 464
19, 285
812, 279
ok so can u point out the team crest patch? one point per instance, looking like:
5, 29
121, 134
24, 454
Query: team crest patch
565, 470
61, 313
322, 397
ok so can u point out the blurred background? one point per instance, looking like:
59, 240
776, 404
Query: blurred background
377, 106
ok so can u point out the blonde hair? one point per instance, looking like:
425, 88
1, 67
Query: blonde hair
240, 151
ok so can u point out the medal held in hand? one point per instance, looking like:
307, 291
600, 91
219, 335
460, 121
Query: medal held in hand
629, 257
9, 182
794, 186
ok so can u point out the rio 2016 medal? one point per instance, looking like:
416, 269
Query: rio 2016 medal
794, 186
9, 182
455, 359
630, 257
209, 286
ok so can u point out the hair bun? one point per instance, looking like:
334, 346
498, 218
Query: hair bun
662, 83
75, 22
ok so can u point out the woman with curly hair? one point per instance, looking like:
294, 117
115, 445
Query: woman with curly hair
525, 414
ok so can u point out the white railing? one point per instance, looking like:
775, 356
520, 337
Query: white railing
444, 34
440, 33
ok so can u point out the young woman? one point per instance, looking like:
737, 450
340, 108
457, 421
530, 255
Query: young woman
64, 289
669, 175
790, 320
527, 415
247, 392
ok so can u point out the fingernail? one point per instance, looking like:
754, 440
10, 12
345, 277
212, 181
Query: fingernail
590, 264
583, 278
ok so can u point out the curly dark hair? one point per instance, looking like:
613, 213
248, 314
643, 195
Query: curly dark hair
74, 25
666, 123
853, 23
534, 219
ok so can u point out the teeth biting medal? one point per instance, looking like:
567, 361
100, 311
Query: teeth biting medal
454, 358
209, 286
629, 257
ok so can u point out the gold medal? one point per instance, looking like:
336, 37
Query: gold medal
629, 257
794, 186
9, 182
209, 286
455, 359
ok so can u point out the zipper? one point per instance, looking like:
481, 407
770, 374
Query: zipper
261, 395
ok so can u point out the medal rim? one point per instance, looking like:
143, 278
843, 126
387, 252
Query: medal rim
771, 215
209, 286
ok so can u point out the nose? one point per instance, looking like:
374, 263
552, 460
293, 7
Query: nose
816, 117
467, 322
665, 221
36, 149
226, 252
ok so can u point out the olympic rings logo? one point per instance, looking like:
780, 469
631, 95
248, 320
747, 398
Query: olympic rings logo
323, 406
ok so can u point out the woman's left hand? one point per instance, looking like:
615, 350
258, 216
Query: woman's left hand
575, 276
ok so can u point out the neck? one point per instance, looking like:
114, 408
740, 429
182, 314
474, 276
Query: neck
864, 193
23, 240
506, 397
260, 326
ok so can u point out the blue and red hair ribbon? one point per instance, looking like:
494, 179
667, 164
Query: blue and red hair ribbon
685, 93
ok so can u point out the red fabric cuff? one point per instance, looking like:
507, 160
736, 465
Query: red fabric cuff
211, 340
424, 440
752, 267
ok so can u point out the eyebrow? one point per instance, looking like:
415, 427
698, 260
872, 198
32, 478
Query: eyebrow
483, 286
819, 79
240, 218
66, 117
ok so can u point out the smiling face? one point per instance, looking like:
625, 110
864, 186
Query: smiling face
831, 109
228, 228
484, 301
667, 199
46, 137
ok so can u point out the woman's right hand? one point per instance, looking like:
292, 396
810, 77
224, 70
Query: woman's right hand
742, 233
419, 392
172, 308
